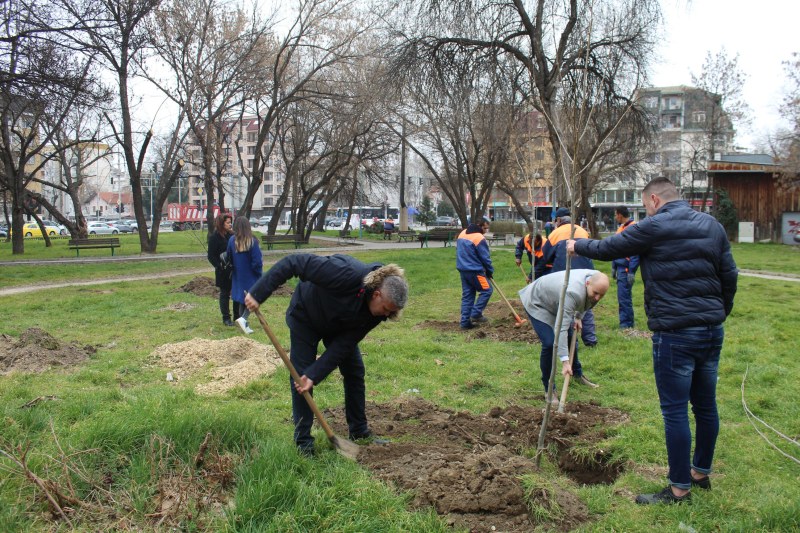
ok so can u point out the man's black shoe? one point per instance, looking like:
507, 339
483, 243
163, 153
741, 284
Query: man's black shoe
665, 496
307, 451
227, 322
368, 438
704, 483
479, 320
468, 326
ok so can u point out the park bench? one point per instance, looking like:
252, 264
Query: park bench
346, 237
290, 238
406, 236
438, 234
93, 244
496, 238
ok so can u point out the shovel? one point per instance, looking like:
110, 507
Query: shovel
567, 377
516, 316
524, 273
345, 447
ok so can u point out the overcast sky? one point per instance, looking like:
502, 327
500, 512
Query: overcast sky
764, 34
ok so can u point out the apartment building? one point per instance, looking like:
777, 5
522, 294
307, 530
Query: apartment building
238, 151
691, 129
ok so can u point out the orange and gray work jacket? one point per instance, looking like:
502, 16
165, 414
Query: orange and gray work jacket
472, 251
525, 244
626, 264
556, 262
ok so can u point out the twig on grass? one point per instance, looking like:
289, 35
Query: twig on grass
751, 416
37, 400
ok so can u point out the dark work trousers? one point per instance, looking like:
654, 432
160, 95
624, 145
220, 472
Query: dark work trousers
547, 337
588, 332
224, 304
304, 344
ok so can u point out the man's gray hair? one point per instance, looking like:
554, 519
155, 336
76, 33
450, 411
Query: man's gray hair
395, 289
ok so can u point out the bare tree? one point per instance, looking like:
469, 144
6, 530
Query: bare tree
321, 34
41, 81
214, 52
721, 82
787, 142
462, 116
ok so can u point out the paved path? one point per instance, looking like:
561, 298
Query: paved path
361, 246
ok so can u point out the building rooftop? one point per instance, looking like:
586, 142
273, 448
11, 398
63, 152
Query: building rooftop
753, 159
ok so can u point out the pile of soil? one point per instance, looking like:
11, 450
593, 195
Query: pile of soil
37, 351
501, 325
467, 466
204, 286
229, 363
199, 286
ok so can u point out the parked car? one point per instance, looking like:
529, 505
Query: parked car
3, 232
62, 229
445, 221
339, 224
264, 220
122, 227
101, 228
31, 229
254, 222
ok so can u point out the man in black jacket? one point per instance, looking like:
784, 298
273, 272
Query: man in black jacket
337, 301
689, 284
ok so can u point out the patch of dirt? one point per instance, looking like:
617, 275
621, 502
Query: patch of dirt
501, 325
37, 351
467, 466
637, 333
180, 306
229, 363
204, 286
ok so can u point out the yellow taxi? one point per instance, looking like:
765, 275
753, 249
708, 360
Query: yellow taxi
31, 229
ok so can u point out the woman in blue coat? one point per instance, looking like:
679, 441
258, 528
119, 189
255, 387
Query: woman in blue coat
247, 262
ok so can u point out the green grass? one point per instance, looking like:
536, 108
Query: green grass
119, 405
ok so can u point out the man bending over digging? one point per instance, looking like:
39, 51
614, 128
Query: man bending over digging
338, 301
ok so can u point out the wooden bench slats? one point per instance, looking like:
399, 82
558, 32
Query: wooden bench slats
496, 238
346, 237
447, 235
291, 238
94, 243
406, 236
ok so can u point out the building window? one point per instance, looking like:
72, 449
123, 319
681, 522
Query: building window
279, 189
250, 163
268, 188
538, 155
267, 176
251, 150
252, 136
698, 117
269, 201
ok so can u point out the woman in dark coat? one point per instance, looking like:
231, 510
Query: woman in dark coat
218, 243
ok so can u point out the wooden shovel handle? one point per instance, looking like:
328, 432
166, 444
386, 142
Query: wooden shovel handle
295, 376
516, 316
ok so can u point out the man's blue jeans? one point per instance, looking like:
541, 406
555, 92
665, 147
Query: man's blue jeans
303, 352
473, 283
546, 335
685, 364
625, 299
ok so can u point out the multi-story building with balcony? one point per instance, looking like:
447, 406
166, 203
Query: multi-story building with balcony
691, 128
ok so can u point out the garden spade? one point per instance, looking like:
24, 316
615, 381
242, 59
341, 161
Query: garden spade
566, 378
516, 316
345, 447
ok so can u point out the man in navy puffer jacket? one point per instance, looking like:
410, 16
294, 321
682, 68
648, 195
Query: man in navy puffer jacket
689, 284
